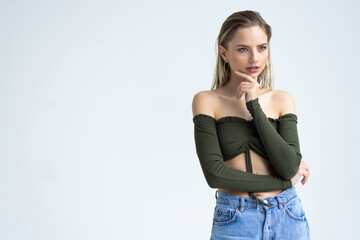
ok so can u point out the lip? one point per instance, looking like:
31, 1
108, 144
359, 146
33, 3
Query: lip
253, 70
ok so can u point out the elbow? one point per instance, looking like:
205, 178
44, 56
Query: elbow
292, 169
211, 181
289, 174
212, 184
211, 173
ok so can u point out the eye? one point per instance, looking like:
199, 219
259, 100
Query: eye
240, 49
263, 47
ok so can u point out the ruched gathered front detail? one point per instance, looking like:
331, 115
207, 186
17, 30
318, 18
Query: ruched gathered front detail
273, 139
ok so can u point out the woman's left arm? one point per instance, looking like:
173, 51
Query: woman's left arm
282, 145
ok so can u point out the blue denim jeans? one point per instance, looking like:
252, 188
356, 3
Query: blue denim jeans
237, 217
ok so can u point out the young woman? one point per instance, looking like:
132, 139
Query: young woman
247, 140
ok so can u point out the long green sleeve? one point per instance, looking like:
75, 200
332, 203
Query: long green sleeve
218, 174
281, 145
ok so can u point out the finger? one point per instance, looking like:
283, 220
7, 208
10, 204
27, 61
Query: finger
307, 168
245, 76
239, 95
304, 165
306, 176
304, 180
238, 91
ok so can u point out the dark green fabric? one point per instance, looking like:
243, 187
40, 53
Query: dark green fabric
281, 145
274, 139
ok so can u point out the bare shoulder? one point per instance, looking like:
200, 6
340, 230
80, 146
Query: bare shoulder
203, 102
284, 101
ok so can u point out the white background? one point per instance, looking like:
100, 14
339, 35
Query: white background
96, 130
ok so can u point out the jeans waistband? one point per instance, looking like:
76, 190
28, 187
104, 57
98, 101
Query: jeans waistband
245, 202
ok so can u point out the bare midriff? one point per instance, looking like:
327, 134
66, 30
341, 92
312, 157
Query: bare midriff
260, 166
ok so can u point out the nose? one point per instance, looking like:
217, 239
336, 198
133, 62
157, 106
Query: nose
254, 58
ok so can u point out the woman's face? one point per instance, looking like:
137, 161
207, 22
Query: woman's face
247, 48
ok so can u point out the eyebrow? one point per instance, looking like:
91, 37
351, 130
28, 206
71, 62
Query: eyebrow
248, 46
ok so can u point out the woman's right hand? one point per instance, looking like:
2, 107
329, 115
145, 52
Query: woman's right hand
303, 171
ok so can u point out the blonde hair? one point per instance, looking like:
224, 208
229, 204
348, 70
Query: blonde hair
234, 22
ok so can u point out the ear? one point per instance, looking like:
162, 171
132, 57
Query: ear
223, 53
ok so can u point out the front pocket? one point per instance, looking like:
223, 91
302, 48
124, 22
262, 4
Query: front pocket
295, 209
224, 214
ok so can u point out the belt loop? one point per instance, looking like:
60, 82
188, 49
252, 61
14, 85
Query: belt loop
216, 194
280, 202
242, 204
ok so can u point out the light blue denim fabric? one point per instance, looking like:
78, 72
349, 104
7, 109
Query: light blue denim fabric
238, 218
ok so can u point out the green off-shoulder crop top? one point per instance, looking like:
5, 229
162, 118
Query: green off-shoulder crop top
219, 140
